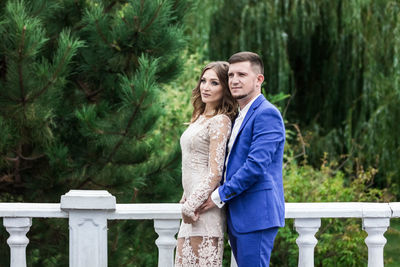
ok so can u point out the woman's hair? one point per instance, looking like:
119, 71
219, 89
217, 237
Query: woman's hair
227, 105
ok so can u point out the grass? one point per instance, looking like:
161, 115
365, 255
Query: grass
392, 247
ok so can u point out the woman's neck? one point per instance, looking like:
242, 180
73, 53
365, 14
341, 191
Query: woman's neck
209, 110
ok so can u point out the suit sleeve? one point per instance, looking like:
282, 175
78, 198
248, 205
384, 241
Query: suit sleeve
268, 133
219, 131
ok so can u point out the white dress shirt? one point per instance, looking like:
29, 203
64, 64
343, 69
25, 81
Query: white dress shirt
215, 197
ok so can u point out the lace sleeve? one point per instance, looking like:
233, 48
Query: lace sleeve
219, 132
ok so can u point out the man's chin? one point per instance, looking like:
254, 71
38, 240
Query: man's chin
239, 96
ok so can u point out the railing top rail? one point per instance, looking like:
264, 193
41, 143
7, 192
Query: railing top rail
339, 210
172, 211
34, 210
395, 207
146, 211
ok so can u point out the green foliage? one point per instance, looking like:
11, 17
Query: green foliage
392, 257
80, 103
339, 62
84, 104
138, 248
340, 241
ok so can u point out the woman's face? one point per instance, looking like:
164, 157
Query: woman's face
210, 88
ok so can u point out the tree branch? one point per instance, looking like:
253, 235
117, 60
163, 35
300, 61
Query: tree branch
152, 19
30, 158
88, 93
121, 140
20, 58
101, 34
53, 78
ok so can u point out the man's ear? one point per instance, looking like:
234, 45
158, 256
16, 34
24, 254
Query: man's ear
260, 79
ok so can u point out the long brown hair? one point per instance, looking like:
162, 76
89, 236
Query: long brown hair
227, 105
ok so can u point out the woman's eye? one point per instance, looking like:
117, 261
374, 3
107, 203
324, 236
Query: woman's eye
214, 83
202, 80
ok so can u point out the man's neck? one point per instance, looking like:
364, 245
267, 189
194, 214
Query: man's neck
244, 101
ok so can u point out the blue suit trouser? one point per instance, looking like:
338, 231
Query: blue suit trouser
252, 249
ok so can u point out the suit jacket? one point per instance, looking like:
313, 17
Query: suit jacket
253, 189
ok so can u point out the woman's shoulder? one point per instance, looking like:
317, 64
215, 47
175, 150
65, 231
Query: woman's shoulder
220, 118
219, 122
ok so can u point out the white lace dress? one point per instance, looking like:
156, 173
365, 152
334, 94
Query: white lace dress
203, 147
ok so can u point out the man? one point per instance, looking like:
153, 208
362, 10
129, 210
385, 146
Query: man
253, 189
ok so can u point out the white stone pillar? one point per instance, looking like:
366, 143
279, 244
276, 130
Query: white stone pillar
17, 228
375, 227
166, 242
306, 227
88, 210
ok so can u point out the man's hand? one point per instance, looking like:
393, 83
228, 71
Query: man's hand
190, 220
209, 204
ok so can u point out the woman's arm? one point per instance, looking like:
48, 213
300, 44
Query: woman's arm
219, 132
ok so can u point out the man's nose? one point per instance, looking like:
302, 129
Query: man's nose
234, 79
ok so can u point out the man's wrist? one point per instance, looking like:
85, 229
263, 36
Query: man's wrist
217, 199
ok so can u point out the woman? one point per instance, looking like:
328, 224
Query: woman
200, 238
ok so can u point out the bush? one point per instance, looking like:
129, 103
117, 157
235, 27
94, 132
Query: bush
340, 241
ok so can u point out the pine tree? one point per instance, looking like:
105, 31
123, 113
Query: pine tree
79, 103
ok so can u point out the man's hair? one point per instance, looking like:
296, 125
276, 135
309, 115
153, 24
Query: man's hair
254, 59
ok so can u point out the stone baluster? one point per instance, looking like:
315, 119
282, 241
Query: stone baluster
88, 210
375, 227
17, 228
166, 242
306, 227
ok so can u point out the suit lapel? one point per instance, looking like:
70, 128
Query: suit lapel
250, 113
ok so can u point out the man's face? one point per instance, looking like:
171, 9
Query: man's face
244, 82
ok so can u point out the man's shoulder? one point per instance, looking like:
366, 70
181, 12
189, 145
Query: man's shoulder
267, 107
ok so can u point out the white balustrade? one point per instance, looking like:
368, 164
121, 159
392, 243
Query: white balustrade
306, 227
17, 228
375, 227
166, 242
89, 211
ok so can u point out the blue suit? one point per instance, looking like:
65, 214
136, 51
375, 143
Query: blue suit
253, 189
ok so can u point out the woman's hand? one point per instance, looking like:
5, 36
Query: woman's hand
190, 220
183, 199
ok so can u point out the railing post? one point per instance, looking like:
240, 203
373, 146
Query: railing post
88, 226
17, 228
306, 227
166, 242
375, 227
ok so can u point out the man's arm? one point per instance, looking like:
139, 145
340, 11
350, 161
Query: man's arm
268, 133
